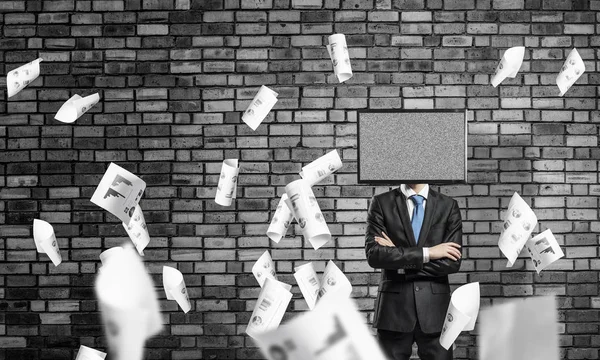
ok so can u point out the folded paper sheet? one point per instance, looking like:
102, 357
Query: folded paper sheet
544, 250
321, 168
87, 353
270, 307
519, 222
138, 230
462, 313
75, 107
260, 107
227, 186
45, 241
519, 330
570, 72
334, 283
308, 282
119, 192
128, 304
281, 221
106, 255
509, 64
175, 289
338, 52
334, 330
19, 78
264, 268
301, 200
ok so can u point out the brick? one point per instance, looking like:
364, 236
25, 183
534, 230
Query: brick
462, 41
406, 40
175, 77
508, 5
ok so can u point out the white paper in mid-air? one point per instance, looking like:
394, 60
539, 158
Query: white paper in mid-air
544, 250
264, 268
108, 254
340, 57
270, 307
308, 282
227, 186
509, 64
281, 221
138, 230
301, 200
119, 192
519, 222
260, 107
175, 289
19, 78
524, 329
321, 168
334, 282
334, 330
75, 107
128, 303
87, 353
45, 240
462, 313
572, 70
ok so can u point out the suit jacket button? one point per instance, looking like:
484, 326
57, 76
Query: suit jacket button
417, 288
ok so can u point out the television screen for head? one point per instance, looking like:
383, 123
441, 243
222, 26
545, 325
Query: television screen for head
412, 147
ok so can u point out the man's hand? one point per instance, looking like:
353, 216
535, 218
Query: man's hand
384, 241
448, 250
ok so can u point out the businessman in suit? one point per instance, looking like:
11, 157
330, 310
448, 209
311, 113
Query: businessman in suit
414, 235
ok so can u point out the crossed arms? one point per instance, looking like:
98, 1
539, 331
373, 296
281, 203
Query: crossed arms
382, 253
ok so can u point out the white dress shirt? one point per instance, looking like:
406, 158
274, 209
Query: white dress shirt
408, 192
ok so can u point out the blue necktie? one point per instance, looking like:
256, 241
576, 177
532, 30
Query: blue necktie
417, 217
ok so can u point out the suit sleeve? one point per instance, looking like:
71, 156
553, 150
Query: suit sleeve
445, 266
387, 257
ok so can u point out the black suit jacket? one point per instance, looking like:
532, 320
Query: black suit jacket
422, 292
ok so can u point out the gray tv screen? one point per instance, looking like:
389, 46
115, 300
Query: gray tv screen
412, 147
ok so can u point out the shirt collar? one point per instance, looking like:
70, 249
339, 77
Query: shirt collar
408, 192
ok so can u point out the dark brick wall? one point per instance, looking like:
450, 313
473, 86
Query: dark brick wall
174, 77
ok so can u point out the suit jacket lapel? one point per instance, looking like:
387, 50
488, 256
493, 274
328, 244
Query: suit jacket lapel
430, 207
405, 218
